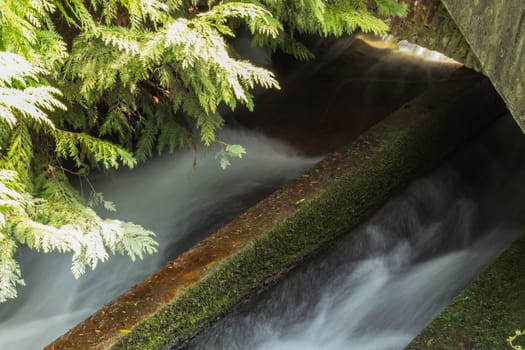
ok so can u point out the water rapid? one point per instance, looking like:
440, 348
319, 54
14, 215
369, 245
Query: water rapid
352, 87
181, 204
381, 284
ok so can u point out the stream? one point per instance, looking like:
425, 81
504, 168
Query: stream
380, 285
183, 204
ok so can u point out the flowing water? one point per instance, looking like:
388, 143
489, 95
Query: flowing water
179, 203
379, 286
182, 205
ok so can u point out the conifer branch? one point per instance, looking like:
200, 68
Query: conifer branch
147, 75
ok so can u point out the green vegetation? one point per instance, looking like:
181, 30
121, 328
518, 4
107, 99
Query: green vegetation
487, 315
374, 167
97, 84
513, 340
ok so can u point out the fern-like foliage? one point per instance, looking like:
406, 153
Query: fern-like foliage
100, 83
185, 68
325, 18
41, 209
61, 221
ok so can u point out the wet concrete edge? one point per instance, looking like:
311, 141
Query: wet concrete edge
279, 232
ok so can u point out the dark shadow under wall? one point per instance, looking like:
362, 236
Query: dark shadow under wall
328, 102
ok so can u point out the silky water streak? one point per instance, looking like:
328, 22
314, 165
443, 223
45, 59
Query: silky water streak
379, 286
181, 204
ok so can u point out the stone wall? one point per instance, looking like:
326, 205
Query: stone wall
428, 24
495, 30
486, 35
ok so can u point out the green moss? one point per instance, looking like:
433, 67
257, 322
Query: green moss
379, 163
486, 313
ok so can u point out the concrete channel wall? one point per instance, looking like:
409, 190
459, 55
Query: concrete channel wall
257, 248
485, 35
429, 24
495, 30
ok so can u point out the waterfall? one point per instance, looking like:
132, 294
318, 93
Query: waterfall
379, 286
321, 108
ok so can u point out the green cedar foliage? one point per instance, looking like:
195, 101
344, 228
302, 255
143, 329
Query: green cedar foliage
93, 84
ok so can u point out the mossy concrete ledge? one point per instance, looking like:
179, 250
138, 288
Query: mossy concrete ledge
278, 233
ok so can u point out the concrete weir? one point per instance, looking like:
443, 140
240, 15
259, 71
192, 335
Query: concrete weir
278, 233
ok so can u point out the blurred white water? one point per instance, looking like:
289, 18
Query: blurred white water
182, 205
179, 203
379, 286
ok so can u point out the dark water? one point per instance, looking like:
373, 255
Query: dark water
379, 286
354, 83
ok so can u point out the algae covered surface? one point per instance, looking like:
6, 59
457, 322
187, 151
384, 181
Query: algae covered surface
253, 251
486, 313
376, 165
